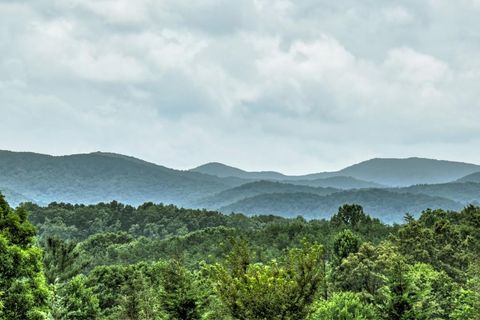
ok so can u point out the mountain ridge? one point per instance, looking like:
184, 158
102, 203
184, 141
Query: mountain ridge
473, 177
391, 209
97, 177
102, 177
394, 172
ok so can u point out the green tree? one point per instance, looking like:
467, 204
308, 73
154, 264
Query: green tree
467, 304
394, 268
431, 293
140, 300
60, 259
74, 300
23, 290
436, 240
345, 243
277, 290
360, 272
343, 306
350, 215
378, 273
180, 297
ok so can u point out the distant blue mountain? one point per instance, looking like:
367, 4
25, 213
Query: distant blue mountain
410, 171
96, 177
386, 172
474, 177
386, 205
13, 198
258, 188
102, 177
222, 170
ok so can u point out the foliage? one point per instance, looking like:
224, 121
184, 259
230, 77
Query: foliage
24, 293
344, 244
343, 306
350, 215
74, 300
114, 261
277, 290
139, 300
180, 297
60, 259
431, 293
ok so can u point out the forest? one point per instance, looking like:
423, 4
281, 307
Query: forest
156, 261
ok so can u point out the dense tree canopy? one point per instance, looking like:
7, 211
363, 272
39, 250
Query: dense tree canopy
23, 290
111, 261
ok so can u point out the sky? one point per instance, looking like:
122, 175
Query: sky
294, 86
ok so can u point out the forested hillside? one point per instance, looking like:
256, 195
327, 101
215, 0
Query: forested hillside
339, 182
103, 177
465, 192
96, 177
116, 261
386, 205
256, 188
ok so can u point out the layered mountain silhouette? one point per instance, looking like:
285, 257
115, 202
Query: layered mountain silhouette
410, 171
387, 172
95, 177
258, 188
380, 203
474, 177
222, 170
387, 188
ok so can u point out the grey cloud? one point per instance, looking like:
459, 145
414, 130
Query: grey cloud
295, 86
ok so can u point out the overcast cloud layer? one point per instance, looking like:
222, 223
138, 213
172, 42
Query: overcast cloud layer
296, 86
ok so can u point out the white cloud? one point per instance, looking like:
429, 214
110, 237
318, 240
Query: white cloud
411, 66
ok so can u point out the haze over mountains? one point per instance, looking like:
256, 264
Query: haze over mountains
474, 177
390, 172
387, 188
90, 178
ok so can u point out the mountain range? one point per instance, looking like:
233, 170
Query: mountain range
387, 188
387, 172
95, 177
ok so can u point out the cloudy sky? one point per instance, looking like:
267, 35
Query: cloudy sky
296, 86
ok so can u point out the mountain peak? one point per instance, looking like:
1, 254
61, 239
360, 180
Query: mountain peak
409, 171
222, 170
218, 169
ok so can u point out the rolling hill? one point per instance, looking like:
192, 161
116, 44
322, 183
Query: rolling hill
221, 170
465, 193
386, 172
386, 205
338, 182
410, 171
96, 177
258, 188
102, 177
474, 177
